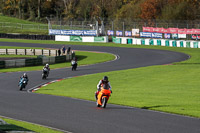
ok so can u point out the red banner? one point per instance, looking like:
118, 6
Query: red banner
190, 31
196, 31
182, 31
147, 29
171, 30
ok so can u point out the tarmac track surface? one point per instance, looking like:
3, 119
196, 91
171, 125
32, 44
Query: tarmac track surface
80, 116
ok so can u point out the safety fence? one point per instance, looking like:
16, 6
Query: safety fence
81, 38
26, 36
158, 42
50, 58
46, 52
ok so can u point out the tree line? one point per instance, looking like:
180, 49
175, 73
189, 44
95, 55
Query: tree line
39, 10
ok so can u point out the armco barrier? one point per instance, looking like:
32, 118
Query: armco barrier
116, 40
159, 42
20, 62
33, 62
59, 59
2, 64
151, 42
9, 63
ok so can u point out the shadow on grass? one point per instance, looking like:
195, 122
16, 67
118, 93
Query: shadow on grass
9, 127
158, 106
108, 107
80, 57
186, 64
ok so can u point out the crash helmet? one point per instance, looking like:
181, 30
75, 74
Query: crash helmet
24, 75
47, 65
105, 78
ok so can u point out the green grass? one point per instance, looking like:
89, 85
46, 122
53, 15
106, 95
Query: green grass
16, 56
24, 126
14, 25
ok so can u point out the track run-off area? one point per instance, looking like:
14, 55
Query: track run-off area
82, 116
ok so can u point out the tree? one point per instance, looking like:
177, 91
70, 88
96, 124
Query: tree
70, 6
150, 9
84, 9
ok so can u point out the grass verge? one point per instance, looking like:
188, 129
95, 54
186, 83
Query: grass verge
14, 125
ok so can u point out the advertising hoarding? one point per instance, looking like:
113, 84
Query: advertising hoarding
110, 33
127, 33
145, 34
156, 35
136, 32
73, 32
119, 33
167, 35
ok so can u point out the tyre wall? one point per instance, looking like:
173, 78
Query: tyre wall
35, 61
157, 42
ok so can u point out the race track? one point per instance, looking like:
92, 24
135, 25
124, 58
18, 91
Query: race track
79, 116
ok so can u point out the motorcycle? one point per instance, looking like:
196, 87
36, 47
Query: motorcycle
74, 65
45, 73
102, 97
22, 83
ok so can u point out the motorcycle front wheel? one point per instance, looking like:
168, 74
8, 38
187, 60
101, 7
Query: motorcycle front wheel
104, 102
97, 104
20, 87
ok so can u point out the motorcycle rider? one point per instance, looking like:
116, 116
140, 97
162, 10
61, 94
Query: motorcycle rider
48, 68
25, 76
103, 83
74, 63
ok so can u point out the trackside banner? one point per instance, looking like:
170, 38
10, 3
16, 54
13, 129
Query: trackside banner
156, 35
73, 32
171, 30
150, 35
145, 34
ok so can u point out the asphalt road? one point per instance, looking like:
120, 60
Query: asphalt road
80, 116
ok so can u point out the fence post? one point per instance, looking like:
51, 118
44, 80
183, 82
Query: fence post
49, 52
112, 25
71, 25
123, 29
97, 28
42, 52
25, 51
15, 51
82, 25
34, 51
60, 25
6, 51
